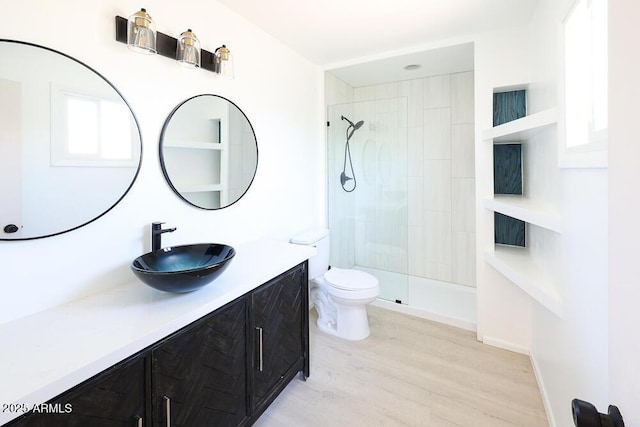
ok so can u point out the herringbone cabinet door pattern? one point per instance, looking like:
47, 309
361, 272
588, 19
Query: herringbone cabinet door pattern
277, 310
113, 399
202, 372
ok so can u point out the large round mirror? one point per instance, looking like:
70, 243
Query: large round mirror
208, 152
70, 147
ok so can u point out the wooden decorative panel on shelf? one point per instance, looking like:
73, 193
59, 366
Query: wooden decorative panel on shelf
507, 169
509, 106
509, 231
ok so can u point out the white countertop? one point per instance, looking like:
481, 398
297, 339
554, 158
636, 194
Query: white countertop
47, 353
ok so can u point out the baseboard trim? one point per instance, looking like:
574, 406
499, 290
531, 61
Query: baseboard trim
543, 391
505, 345
403, 308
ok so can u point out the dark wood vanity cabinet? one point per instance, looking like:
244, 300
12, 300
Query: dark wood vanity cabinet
279, 322
221, 370
199, 376
113, 398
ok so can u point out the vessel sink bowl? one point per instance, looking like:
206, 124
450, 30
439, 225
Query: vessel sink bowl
183, 268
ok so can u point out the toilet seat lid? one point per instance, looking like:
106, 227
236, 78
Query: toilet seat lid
350, 280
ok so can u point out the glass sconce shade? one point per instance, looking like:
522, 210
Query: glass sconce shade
188, 52
223, 62
141, 33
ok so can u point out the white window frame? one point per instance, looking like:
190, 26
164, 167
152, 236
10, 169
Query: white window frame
592, 153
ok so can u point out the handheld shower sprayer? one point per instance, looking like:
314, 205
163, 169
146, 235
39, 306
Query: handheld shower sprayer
344, 178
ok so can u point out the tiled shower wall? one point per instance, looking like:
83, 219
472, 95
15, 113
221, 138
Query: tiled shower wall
441, 183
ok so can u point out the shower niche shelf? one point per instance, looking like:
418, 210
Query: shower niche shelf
516, 263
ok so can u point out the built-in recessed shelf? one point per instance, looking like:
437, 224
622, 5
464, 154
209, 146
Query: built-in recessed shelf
525, 209
516, 265
195, 144
522, 129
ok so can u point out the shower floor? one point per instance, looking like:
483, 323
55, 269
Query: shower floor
442, 302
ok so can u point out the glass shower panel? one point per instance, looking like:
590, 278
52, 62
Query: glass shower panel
367, 186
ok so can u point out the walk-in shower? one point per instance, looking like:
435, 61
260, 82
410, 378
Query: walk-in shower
368, 226
344, 178
411, 221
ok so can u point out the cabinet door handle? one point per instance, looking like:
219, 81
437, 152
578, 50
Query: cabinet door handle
138, 421
167, 407
260, 354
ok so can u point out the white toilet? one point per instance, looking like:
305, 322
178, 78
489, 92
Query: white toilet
339, 295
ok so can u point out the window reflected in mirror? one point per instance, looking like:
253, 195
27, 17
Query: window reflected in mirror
70, 147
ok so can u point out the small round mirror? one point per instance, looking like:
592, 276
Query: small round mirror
208, 152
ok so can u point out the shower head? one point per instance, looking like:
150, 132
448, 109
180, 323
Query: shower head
356, 126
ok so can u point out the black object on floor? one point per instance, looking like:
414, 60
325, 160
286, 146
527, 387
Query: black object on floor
586, 415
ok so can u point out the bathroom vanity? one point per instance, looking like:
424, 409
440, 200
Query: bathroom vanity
134, 356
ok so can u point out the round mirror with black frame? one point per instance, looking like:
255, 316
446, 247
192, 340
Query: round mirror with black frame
70, 145
208, 152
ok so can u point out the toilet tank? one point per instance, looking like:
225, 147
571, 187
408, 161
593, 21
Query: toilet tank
319, 238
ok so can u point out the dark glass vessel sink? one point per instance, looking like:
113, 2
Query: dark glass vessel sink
184, 268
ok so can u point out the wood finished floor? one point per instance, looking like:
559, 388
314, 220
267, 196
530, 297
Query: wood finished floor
409, 372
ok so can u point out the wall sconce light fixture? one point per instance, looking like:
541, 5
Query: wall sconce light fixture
141, 33
188, 53
223, 62
186, 50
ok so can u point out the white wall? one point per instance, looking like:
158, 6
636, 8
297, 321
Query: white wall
336, 91
624, 205
503, 310
569, 353
278, 90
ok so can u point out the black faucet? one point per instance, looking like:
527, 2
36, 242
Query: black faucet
156, 234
